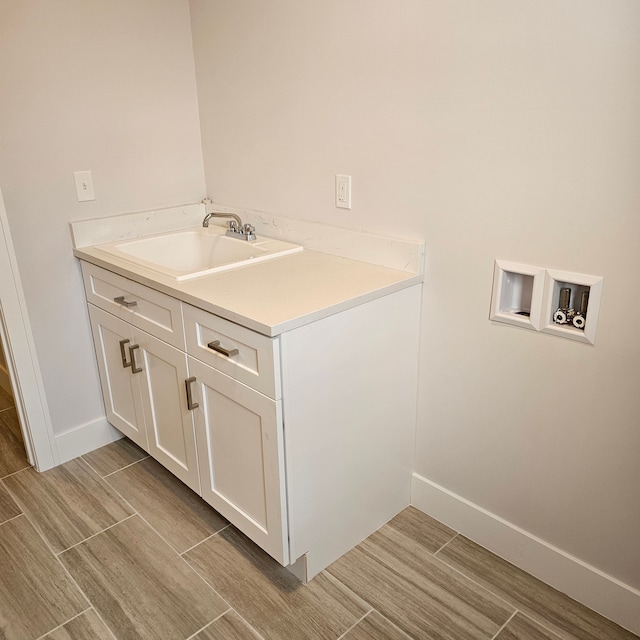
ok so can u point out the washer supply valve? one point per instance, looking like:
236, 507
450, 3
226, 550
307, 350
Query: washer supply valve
564, 314
580, 318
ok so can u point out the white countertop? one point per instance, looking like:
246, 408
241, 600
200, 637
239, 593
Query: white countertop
338, 268
273, 296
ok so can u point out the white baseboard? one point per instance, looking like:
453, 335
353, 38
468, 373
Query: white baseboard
85, 438
586, 584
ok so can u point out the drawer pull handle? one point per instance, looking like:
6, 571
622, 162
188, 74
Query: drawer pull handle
216, 346
191, 405
134, 369
125, 303
123, 355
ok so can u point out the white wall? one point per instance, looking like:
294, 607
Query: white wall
497, 129
104, 86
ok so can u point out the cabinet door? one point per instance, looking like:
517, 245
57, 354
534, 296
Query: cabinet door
241, 456
170, 432
120, 389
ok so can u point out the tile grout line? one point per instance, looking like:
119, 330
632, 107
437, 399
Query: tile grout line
354, 625
91, 608
44, 635
365, 604
230, 609
260, 636
329, 576
395, 626
462, 573
215, 533
193, 635
501, 629
90, 466
108, 475
93, 535
543, 622
137, 513
10, 519
13, 473
445, 544
104, 622
211, 586
111, 473
404, 634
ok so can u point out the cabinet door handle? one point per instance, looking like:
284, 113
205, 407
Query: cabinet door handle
123, 355
191, 405
134, 369
125, 303
216, 346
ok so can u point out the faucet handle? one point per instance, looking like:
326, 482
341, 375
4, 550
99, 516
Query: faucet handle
233, 226
248, 230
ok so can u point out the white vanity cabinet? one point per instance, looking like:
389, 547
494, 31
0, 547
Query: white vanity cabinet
302, 440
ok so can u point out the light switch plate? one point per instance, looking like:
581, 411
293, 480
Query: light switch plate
343, 192
84, 186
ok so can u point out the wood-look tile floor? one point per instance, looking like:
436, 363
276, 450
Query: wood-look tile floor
111, 546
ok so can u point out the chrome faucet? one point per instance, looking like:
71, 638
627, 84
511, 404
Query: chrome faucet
236, 228
218, 214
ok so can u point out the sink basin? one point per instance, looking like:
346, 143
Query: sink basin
195, 252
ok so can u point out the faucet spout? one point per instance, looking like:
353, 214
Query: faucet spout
218, 214
236, 228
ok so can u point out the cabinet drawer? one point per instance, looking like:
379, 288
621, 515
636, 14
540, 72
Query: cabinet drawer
252, 358
143, 307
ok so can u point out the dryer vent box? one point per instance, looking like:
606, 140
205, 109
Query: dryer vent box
517, 294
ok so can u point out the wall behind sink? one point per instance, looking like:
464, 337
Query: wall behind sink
501, 129
105, 86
